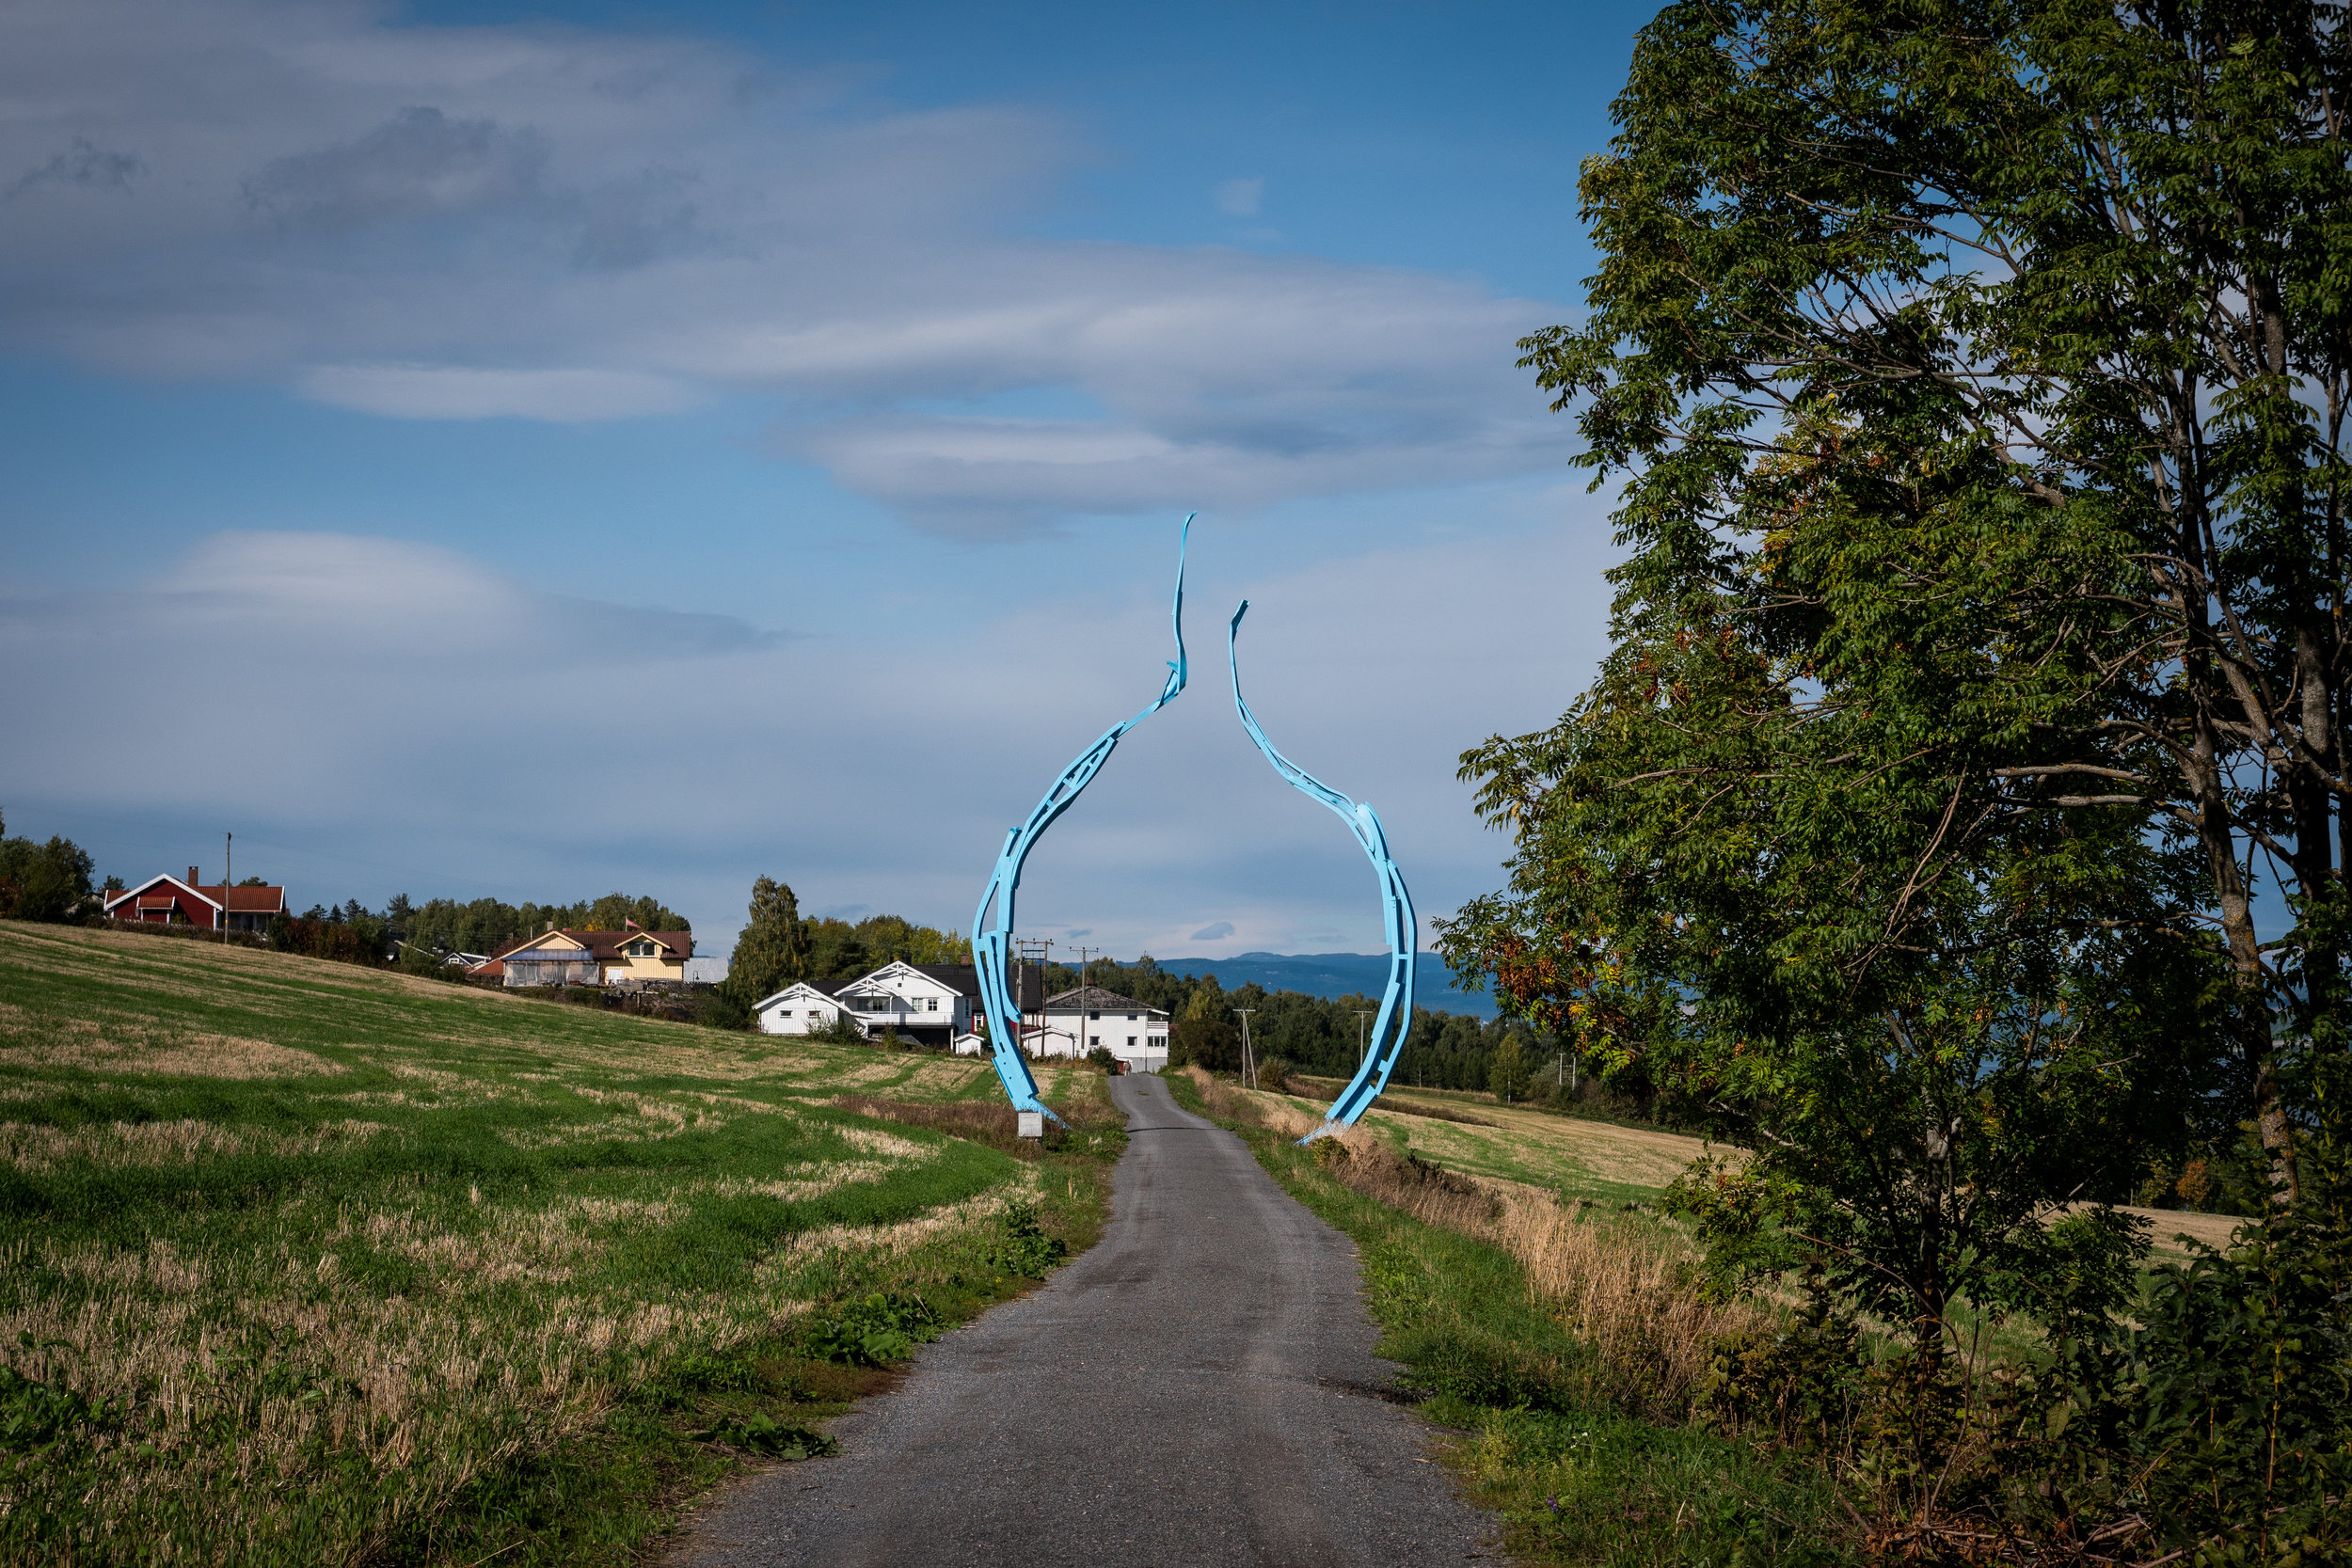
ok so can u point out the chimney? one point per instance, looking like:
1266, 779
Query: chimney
191, 876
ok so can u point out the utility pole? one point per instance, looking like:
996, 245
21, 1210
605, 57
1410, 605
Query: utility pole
1040, 951
1078, 1042
1360, 1050
228, 881
1248, 1058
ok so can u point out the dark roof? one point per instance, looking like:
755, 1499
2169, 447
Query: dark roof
1095, 999
607, 945
963, 980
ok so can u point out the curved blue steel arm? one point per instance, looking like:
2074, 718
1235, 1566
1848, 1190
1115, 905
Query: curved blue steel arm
1396, 1002
992, 944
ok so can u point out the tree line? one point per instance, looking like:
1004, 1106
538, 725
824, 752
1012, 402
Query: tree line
778, 947
1317, 1034
1960, 823
42, 881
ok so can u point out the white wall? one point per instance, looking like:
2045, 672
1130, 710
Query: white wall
811, 1012
1071, 1032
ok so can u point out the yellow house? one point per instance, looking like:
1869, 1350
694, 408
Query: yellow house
592, 958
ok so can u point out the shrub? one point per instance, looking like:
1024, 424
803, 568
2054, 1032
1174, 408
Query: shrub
764, 1433
1101, 1057
873, 1331
1023, 1250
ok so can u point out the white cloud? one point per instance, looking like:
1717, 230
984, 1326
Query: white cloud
459, 392
1240, 197
377, 715
556, 223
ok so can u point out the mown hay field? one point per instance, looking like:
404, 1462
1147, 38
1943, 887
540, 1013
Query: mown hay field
296, 1255
1606, 1161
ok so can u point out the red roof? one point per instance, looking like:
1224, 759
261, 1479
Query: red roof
236, 901
246, 900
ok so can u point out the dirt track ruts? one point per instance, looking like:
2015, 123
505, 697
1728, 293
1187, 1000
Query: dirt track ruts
1198, 1389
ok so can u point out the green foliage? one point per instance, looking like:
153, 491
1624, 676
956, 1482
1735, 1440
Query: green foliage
842, 1028
873, 1331
1023, 1250
1976, 376
37, 1419
770, 952
486, 925
1510, 1073
42, 881
1878, 844
1104, 1059
2223, 1414
763, 1434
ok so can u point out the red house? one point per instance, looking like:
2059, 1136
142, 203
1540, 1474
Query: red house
171, 900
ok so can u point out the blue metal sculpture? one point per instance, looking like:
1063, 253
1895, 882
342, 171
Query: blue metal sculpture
992, 946
1396, 1003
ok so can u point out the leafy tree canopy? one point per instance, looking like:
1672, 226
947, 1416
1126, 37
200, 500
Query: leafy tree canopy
2008, 346
1973, 374
42, 881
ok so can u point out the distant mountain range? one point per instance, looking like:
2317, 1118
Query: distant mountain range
1337, 974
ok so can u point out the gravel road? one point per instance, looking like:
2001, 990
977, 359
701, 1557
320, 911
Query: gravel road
1199, 1388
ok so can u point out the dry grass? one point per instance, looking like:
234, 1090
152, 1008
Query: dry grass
118, 1043
1624, 1284
333, 1243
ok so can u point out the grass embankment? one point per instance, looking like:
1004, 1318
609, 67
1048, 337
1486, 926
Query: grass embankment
1559, 1339
307, 1263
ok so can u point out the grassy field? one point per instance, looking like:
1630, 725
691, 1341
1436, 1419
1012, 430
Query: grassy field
310, 1263
1603, 1162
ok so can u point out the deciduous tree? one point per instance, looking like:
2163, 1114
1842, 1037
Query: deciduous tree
2031, 317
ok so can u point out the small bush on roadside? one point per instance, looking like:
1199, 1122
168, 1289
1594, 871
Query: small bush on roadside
1023, 1250
764, 1433
873, 1331
1101, 1057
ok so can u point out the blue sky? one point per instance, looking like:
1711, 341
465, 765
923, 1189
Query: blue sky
529, 450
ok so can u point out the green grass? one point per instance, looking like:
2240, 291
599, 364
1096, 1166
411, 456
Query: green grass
1573, 1485
310, 1263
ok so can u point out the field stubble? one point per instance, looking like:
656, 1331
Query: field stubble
309, 1265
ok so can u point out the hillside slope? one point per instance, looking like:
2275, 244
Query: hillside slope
302, 1257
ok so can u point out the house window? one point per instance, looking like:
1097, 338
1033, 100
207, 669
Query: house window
1097, 1013
930, 1004
1094, 1039
1131, 1018
784, 1012
1131, 1042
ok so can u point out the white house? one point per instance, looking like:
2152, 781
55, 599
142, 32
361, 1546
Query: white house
799, 1009
1081, 1020
930, 1004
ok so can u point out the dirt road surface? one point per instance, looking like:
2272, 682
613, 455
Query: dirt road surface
1198, 1389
